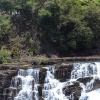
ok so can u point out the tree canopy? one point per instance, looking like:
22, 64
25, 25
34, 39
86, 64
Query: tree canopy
60, 26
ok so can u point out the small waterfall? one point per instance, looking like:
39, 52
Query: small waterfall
47, 83
52, 89
87, 93
28, 79
83, 70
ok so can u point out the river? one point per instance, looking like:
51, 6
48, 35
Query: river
52, 84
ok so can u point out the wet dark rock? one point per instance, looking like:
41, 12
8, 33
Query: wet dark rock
40, 90
6, 77
35, 63
63, 72
42, 75
48, 63
8, 67
3, 67
41, 98
6, 74
85, 79
74, 90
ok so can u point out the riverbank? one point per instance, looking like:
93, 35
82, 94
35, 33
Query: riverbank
26, 62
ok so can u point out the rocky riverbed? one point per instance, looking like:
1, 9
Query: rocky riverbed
63, 71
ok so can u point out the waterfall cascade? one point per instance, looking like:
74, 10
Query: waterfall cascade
83, 84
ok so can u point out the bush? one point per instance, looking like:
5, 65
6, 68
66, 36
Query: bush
41, 58
83, 37
92, 17
5, 56
15, 53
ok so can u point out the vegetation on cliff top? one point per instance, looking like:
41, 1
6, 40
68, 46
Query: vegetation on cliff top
49, 26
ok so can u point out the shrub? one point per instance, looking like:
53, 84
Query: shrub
5, 56
15, 53
83, 37
41, 58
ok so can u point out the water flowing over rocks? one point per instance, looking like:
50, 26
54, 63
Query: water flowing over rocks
6, 74
52, 82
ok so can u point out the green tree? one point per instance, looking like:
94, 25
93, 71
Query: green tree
92, 18
5, 28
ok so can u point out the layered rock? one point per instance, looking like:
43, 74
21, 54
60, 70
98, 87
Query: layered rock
63, 72
85, 79
42, 75
73, 90
6, 74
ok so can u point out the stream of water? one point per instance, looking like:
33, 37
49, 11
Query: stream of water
27, 83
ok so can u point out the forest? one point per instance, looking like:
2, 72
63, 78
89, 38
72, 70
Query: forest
59, 27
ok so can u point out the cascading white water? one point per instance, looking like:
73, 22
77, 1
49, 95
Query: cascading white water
28, 79
27, 83
52, 89
85, 70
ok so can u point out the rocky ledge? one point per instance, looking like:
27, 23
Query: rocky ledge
6, 74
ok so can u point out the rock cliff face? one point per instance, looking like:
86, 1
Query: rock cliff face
6, 74
73, 90
63, 72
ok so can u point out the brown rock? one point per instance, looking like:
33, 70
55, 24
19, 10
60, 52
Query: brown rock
74, 90
63, 71
85, 79
42, 75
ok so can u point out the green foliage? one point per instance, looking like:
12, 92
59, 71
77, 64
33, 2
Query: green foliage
41, 58
15, 53
83, 37
5, 56
6, 5
65, 25
92, 18
4, 25
5, 29
69, 25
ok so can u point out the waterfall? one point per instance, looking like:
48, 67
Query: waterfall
83, 83
52, 89
26, 81
88, 93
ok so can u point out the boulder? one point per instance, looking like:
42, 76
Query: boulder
6, 74
42, 75
40, 90
63, 71
85, 79
73, 90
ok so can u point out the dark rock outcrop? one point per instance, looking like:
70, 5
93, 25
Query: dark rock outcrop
42, 75
73, 90
6, 74
85, 79
63, 72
